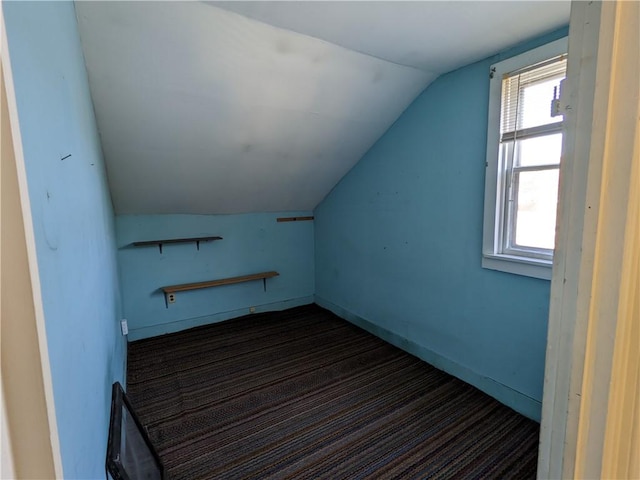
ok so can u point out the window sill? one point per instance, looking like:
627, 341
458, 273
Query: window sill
529, 267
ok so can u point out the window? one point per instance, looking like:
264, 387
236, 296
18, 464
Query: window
524, 146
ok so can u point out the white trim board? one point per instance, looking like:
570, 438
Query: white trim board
588, 387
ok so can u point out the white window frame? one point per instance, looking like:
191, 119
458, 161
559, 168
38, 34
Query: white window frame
492, 258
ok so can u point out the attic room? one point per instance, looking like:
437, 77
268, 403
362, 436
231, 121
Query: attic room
322, 239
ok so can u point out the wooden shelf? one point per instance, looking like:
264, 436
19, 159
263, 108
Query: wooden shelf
159, 243
170, 290
293, 219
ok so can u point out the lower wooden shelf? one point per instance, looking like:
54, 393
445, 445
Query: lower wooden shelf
170, 290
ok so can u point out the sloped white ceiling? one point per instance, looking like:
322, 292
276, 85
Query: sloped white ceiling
435, 36
203, 110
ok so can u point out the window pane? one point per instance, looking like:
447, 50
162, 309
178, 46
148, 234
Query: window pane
539, 150
537, 198
535, 103
526, 96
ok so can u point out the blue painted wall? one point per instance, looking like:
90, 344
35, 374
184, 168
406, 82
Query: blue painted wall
252, 243
398, 246
74, 226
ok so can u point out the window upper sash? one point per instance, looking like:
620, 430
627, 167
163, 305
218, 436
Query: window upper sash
524, 92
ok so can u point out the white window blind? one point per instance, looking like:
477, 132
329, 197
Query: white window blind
526, 99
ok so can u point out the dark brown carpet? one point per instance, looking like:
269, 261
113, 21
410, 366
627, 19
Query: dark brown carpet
303, 394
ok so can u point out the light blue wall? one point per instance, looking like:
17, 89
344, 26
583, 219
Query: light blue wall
252, 243
398, 246
74, 226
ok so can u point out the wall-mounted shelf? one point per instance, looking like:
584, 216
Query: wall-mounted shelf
171, 290
293, 219
159, 243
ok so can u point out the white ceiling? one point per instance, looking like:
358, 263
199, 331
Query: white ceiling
434, 36
203, 110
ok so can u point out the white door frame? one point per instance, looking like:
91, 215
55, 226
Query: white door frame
592, 364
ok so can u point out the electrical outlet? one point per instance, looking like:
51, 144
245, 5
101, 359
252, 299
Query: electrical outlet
124, 327
171, 298
252, 309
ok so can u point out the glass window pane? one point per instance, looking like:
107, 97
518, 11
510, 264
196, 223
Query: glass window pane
535, 103
537, 199
543, 150
526, 96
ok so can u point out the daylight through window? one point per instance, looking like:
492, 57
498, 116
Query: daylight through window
530, 148
524, 147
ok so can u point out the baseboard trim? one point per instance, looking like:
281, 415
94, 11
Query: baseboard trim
521, 403
179, 325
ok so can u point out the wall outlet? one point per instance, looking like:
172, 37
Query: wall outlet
171, 298
124, 327
252, 309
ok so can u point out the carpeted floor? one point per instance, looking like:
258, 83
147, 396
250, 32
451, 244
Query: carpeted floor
303, 394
